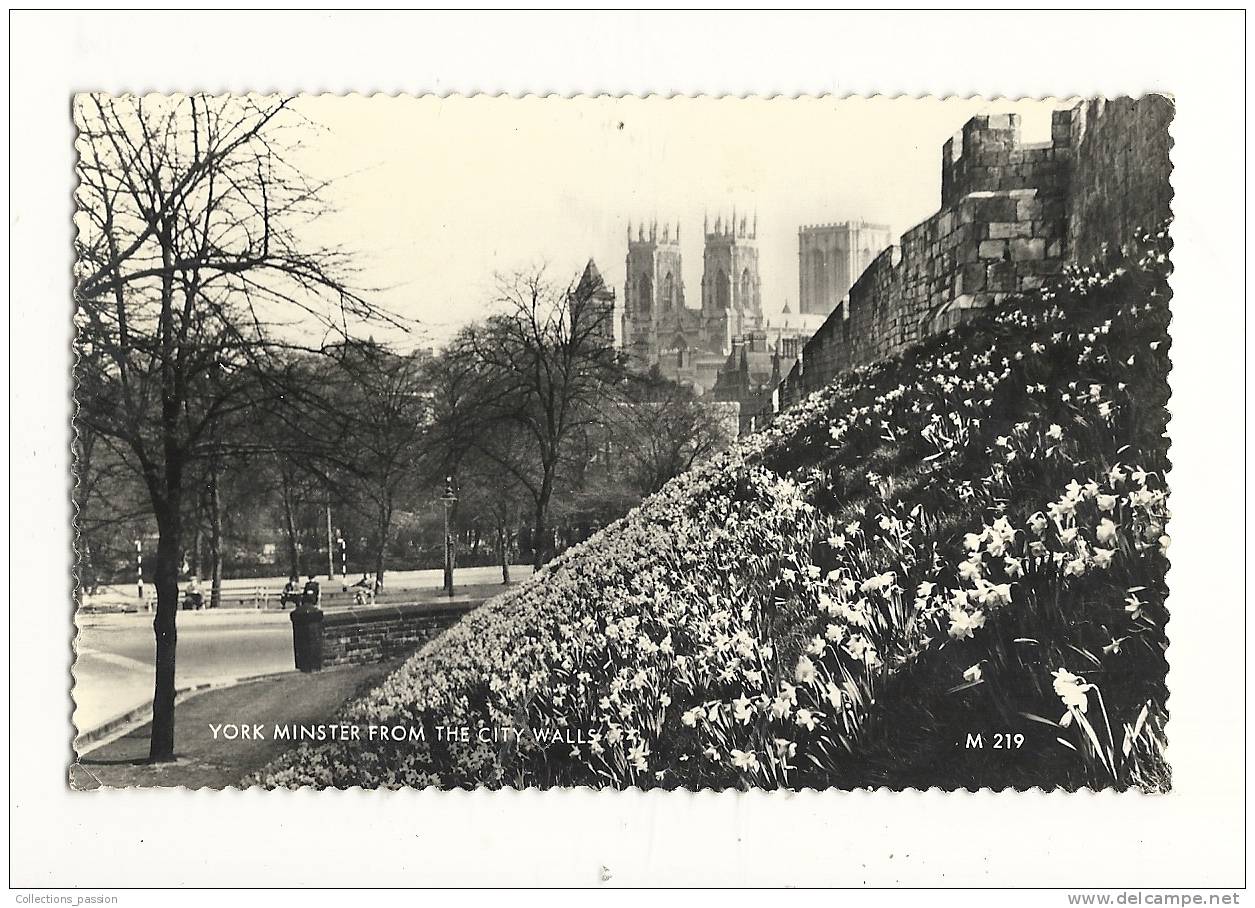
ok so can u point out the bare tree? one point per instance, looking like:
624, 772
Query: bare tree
384, 400
659, 429
192, 273
546, 366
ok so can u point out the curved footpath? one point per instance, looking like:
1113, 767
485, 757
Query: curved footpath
206, 759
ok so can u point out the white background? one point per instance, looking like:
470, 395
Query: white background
1193, 837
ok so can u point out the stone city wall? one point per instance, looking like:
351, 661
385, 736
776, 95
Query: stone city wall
1120, 172
1012, 215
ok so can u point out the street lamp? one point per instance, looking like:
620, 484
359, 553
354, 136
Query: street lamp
448, 500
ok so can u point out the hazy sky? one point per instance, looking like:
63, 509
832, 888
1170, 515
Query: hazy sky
437, 194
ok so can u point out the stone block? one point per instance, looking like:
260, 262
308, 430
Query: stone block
993, 249
1023, 250
971, 277
1001, 277
996, 208
1028, 209
1005, 230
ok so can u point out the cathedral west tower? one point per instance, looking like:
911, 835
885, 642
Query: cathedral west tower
731, 289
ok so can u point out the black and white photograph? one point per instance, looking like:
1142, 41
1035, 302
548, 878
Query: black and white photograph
627, 449
710, 477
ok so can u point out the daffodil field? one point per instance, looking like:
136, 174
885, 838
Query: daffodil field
946, 569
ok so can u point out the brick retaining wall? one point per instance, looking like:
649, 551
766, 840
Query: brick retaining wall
375, 633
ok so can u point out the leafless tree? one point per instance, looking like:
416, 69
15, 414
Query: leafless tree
546, 365
658, 429
194, 270
385, 402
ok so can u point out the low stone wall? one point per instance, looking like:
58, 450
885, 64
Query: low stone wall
381, 632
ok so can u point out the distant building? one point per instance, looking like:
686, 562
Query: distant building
659, 327
601, 299
701, 347
830, 259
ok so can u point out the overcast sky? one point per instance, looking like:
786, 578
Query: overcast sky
437, 194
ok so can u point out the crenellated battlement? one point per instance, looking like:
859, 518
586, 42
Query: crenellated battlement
842, 225
987, 155
1012, 215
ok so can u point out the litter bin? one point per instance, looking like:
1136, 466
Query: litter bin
307, 637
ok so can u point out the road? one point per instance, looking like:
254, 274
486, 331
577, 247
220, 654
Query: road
114, 669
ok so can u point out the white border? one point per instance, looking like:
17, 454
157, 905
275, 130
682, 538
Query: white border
1193, 837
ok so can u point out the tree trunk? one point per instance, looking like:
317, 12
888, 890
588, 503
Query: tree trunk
169, 554
540, 542
385, 520
503, 539
193, 561
215, 538
289, 527
167, 495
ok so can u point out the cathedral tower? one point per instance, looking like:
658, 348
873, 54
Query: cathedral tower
830, 259
654, 290
731, 290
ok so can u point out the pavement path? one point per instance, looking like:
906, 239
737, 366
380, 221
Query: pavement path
243, 589
206, 760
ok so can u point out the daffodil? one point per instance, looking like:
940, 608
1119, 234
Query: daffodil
963, 625
1072, 690
1102, 557
1106, 532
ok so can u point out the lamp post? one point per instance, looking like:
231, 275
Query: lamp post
448, 500
331, 554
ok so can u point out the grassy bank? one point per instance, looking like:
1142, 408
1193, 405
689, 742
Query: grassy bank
948, 568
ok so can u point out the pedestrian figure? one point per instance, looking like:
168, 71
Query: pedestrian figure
363, 591
291, 592
193, 599
312, 592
